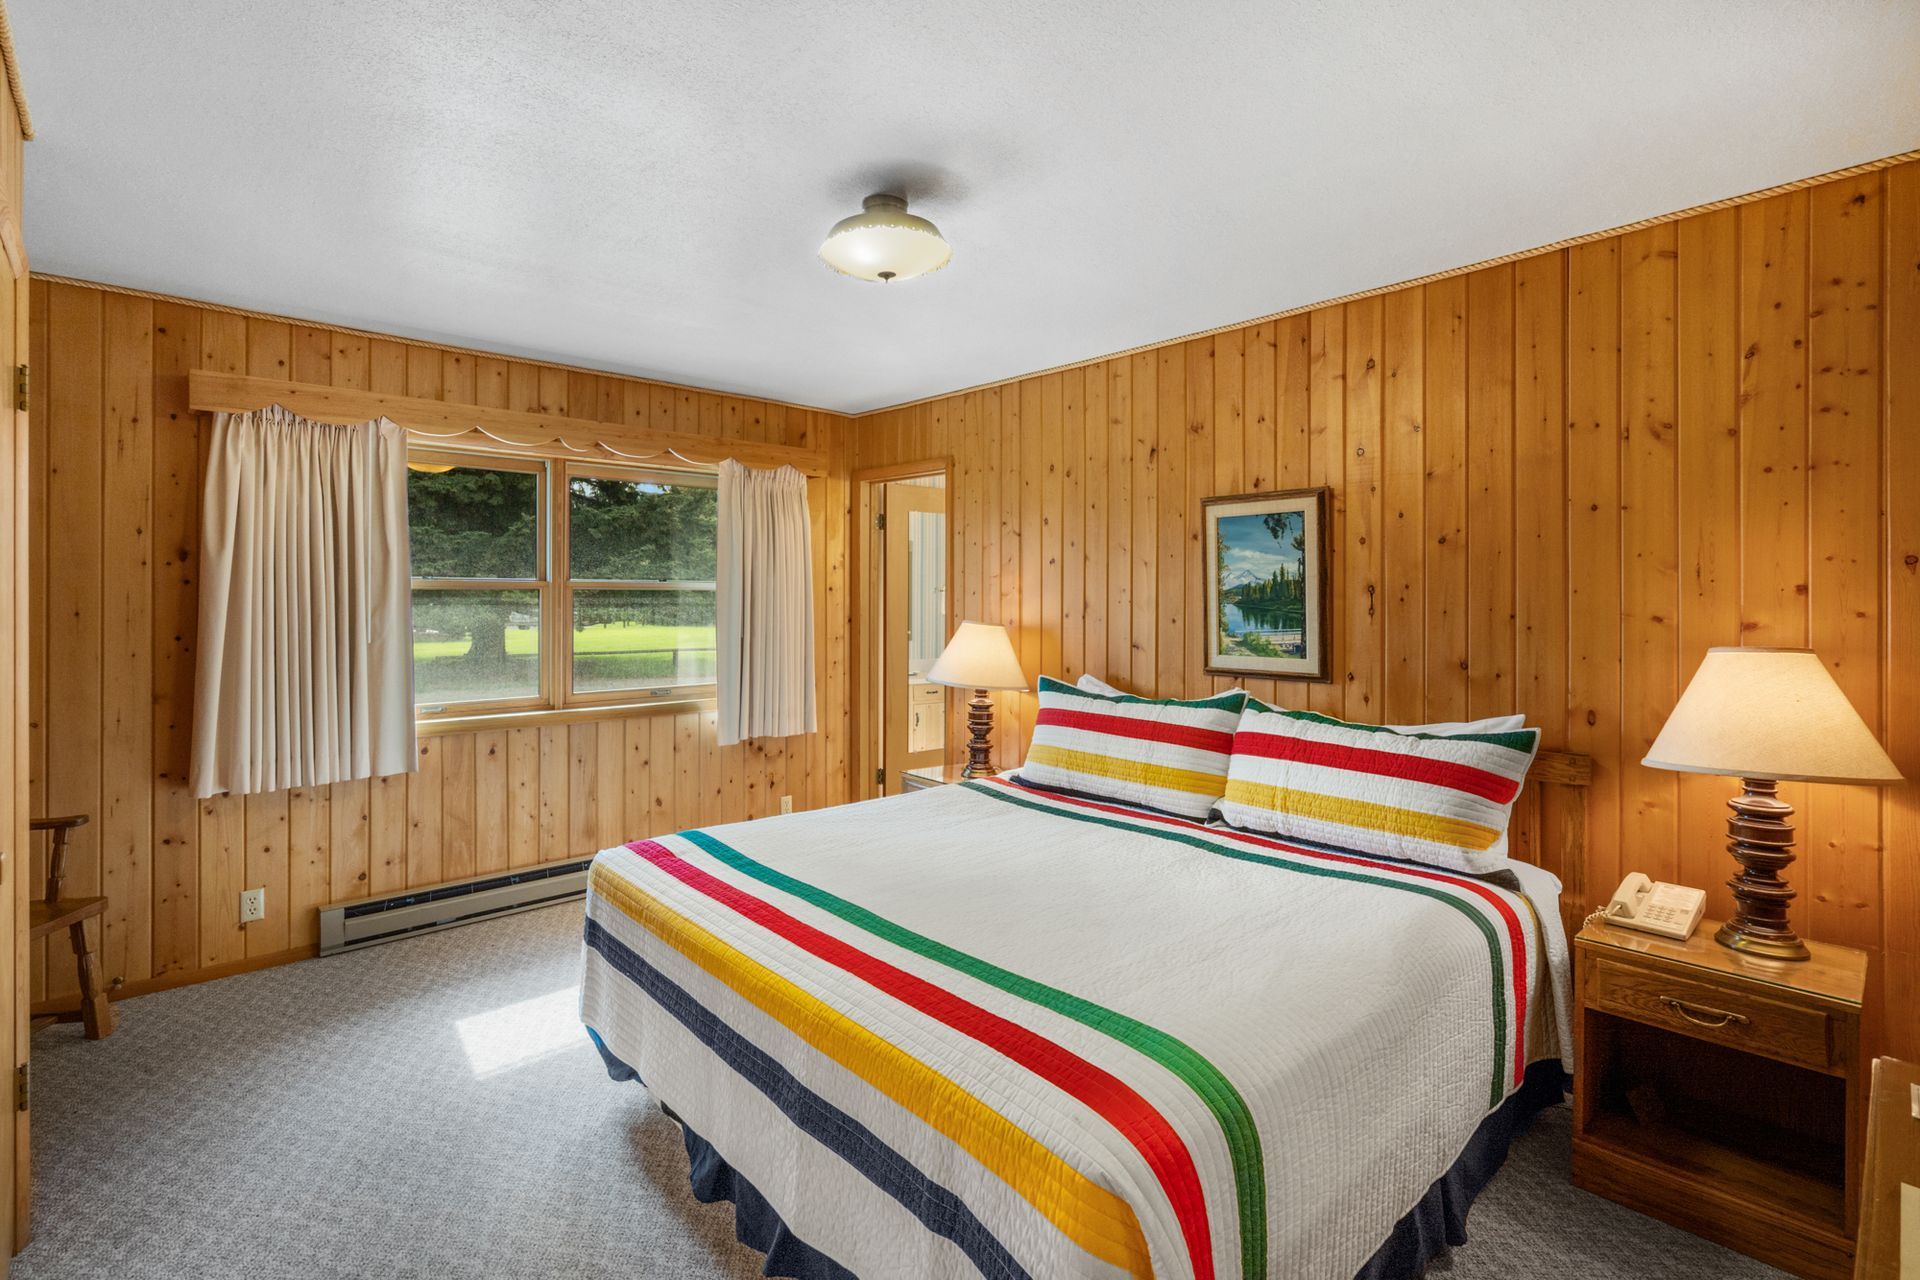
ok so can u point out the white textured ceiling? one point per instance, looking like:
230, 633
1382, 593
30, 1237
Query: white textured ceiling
641, 187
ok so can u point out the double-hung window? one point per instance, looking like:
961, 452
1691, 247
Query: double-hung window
545, 584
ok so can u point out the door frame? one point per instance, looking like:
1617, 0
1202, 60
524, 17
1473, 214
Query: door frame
868, 560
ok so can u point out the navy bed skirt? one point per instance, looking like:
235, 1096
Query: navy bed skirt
1429, 1229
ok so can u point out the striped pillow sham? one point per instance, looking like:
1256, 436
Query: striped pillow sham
1444, 800
1166, 755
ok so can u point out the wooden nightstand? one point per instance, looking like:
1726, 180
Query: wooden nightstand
1722, 1093
935, 775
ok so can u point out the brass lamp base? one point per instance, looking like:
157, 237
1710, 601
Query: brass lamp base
1760, 838
980, 739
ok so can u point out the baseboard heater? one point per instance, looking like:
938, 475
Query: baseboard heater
348, 926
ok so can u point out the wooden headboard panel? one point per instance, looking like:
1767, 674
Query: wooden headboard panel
1549, 826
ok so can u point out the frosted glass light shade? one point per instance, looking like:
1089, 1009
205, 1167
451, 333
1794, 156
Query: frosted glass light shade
980, 656
1769, 713
884, 242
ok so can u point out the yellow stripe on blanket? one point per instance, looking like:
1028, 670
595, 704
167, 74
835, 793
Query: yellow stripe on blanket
1102, 766
1088, 1214
1391, 819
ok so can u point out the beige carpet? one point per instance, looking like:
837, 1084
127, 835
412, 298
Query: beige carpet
432, 1109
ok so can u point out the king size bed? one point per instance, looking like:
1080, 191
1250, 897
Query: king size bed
993, 1029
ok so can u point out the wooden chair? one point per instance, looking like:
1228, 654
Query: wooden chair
54, 912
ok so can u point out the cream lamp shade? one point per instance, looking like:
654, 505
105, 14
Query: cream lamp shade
980, 656
1769, 713
883, 242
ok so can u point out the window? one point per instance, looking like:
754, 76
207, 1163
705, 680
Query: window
612, 566
640, 550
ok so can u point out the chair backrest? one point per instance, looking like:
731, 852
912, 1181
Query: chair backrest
57, 856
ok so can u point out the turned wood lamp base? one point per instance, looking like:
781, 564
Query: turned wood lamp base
1760, 838
980, 739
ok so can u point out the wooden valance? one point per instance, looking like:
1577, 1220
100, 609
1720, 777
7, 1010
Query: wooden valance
467, 426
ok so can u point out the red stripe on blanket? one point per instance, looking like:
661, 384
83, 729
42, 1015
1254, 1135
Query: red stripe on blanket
1175, 735
1131, 1115
1387, 764
1516, 939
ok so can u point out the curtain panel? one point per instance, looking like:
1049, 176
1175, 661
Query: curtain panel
764, 611
305, 663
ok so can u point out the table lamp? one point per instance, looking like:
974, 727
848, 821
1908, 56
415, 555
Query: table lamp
1766, 716
979, 657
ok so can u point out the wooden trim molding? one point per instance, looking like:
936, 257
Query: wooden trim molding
12, 65
490, 430
1885, 162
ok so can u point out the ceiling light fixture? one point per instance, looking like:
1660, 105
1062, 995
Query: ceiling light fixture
884, 242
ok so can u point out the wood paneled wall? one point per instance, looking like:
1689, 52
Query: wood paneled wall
116, 527
1556, 482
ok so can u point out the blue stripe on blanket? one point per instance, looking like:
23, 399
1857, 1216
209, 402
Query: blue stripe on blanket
938, 1209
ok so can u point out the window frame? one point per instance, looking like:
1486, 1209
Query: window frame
554, 588
563, 575
541, 585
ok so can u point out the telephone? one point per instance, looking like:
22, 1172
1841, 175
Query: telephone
1670, 910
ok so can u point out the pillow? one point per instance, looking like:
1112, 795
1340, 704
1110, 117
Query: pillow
1447, 728
1094, 684
1452, 728
1439, 799
1166, 755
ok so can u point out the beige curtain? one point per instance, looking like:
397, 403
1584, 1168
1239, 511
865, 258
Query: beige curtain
305, 660
764, 611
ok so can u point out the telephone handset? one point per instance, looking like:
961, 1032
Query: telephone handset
1670, 910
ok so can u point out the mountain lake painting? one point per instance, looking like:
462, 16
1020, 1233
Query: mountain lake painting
1265, 581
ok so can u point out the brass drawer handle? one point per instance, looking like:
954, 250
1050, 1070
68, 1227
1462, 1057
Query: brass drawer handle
1701, 1016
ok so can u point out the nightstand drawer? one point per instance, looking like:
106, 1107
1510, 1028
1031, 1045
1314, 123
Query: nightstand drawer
1736, 1018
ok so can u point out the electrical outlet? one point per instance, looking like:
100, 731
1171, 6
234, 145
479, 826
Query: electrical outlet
786, 804
253, 905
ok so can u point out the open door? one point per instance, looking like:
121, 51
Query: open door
913, 626
16, 855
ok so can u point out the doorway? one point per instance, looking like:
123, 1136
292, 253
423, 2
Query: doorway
904, 624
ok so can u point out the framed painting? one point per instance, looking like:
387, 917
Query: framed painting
1266, 577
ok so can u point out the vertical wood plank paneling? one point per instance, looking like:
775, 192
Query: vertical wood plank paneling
1448, 660
265, 825
1365, 515
425, 851
1540, 506
1170, 567
309, 861
1121, 558
1403, 466
1490, 608
1144, 430
75, 449
1845, 509
1775, 571
1052, 619
1326, 465
492, 805
1095, 549
459, 805
176, 541
1649, 544
1073, 524
523, 791
1708, 387
1194, 681
126, 610
1593, 546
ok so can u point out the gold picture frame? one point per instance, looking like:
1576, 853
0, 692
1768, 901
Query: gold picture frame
1267, 568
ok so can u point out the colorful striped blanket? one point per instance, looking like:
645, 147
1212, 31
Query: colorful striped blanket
989, 1030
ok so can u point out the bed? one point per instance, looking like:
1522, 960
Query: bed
987, 1029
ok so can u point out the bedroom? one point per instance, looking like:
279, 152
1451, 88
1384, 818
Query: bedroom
1362, 491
